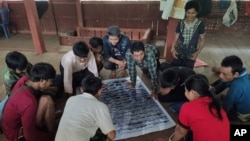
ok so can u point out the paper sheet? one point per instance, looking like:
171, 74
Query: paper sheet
133, 111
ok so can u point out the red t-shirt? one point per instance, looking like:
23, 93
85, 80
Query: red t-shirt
20, 111
196, 116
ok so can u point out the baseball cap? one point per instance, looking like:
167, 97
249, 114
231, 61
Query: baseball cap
114, 31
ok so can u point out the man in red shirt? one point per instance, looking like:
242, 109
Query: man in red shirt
28, 113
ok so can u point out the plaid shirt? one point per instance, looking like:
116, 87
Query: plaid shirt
149, 63
189, 31
189, 36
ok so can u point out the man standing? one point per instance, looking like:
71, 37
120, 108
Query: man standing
147, 58
189, 38
85, 118
115, 46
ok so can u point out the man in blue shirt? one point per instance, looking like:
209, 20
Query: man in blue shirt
115, 46
237, 100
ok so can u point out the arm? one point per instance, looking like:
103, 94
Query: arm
107, 54
153, 72
124, 42
104, 121
120, 63
201, 41
106, 48
111, 135
9, 85
230, 98
9, 80
67, 77
131, 68
179, 133
174, 53
182, 126
200, 45
92, 67
177, 34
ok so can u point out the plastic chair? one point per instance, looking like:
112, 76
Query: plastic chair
4, 21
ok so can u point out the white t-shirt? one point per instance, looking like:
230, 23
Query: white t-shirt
71, 65
83, 115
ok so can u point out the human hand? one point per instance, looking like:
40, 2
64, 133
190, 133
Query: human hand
129, 85
195, 55
212, 89
98, 57
215, 69
174, 53
120, 63
67, 95
123, 64
154, 95
104, 86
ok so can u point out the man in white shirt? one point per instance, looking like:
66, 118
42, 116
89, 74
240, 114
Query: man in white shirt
75, 65
84, 114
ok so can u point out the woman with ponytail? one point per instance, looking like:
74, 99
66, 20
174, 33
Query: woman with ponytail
202, 115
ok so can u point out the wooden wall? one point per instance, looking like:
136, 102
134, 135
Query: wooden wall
61, 16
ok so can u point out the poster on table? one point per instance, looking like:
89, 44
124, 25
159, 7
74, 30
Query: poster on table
133, 111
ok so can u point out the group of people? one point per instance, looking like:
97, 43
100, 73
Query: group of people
28, 111
204, 108
204, 115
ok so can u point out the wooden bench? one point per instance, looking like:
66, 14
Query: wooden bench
85, 33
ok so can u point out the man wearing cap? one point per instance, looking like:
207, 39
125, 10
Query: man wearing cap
115, 46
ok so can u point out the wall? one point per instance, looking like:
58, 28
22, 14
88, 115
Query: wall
213, 21
61, 17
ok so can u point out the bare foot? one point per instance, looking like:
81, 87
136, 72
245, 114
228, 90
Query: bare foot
112, 75
216, 69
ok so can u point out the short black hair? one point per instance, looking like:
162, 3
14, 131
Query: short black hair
137, 46
193, 4
80, 49
16, 60
169, 78
42, 71
234, 62
95, 42
91, 84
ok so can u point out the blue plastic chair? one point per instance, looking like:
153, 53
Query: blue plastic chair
4, 21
